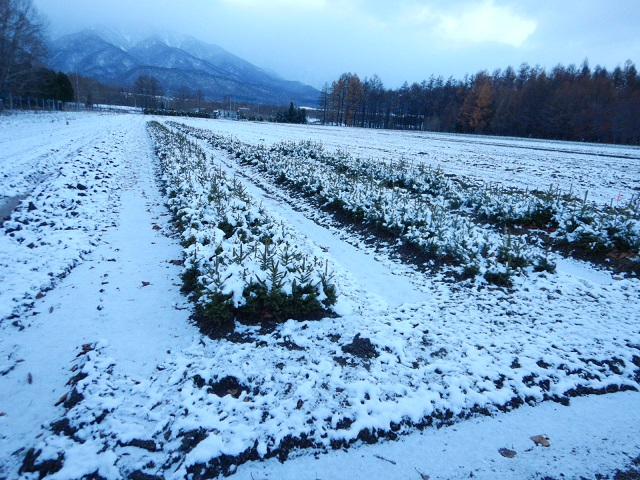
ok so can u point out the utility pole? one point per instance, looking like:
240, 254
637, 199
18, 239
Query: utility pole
77, 91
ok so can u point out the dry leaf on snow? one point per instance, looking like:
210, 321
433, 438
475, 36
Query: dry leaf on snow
505, 452
86, 348
541, 440
145, 284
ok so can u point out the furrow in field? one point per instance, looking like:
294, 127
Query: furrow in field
445, 219
66, 197
604, 171
371, 373
375, 281
431, 234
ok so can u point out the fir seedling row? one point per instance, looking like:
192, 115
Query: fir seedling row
569, 219
240, 263
563, 220
443, 238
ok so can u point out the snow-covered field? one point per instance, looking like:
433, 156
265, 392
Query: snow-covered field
605, 171
102, 372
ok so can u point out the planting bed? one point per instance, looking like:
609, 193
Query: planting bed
337, 342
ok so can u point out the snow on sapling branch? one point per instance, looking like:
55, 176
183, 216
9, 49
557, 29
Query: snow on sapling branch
370, 192
239, 262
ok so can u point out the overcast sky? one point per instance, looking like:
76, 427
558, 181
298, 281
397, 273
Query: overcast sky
314, 41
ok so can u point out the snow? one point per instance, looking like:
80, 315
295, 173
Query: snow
138, 325
588, 438
508, 161
93, 307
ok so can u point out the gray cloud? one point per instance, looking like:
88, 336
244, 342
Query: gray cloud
316, 40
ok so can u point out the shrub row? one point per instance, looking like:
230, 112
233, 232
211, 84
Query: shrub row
240, 263
571, 220
446, 238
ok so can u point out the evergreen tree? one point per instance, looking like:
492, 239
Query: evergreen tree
63, 88
45, 83
292, 115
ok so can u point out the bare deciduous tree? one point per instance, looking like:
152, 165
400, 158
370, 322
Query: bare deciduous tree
22, 43
147, 90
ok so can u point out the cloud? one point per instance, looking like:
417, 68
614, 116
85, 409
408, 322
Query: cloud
472, 23
316, 40
273, 6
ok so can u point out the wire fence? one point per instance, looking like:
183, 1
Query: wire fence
36, 104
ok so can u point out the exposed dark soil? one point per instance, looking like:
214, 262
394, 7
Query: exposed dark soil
361, 347
226, 465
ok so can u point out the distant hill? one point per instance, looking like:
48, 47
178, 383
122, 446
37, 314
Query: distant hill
175, 60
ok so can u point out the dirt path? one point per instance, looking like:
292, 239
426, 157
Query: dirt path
102, 300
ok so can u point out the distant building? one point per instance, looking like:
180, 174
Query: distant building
228, 114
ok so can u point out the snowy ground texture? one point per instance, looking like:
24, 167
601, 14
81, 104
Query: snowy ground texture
103, 375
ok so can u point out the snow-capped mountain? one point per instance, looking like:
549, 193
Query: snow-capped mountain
175, 60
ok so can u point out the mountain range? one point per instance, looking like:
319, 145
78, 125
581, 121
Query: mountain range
176, 60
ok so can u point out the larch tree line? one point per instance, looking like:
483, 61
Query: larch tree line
565, 103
